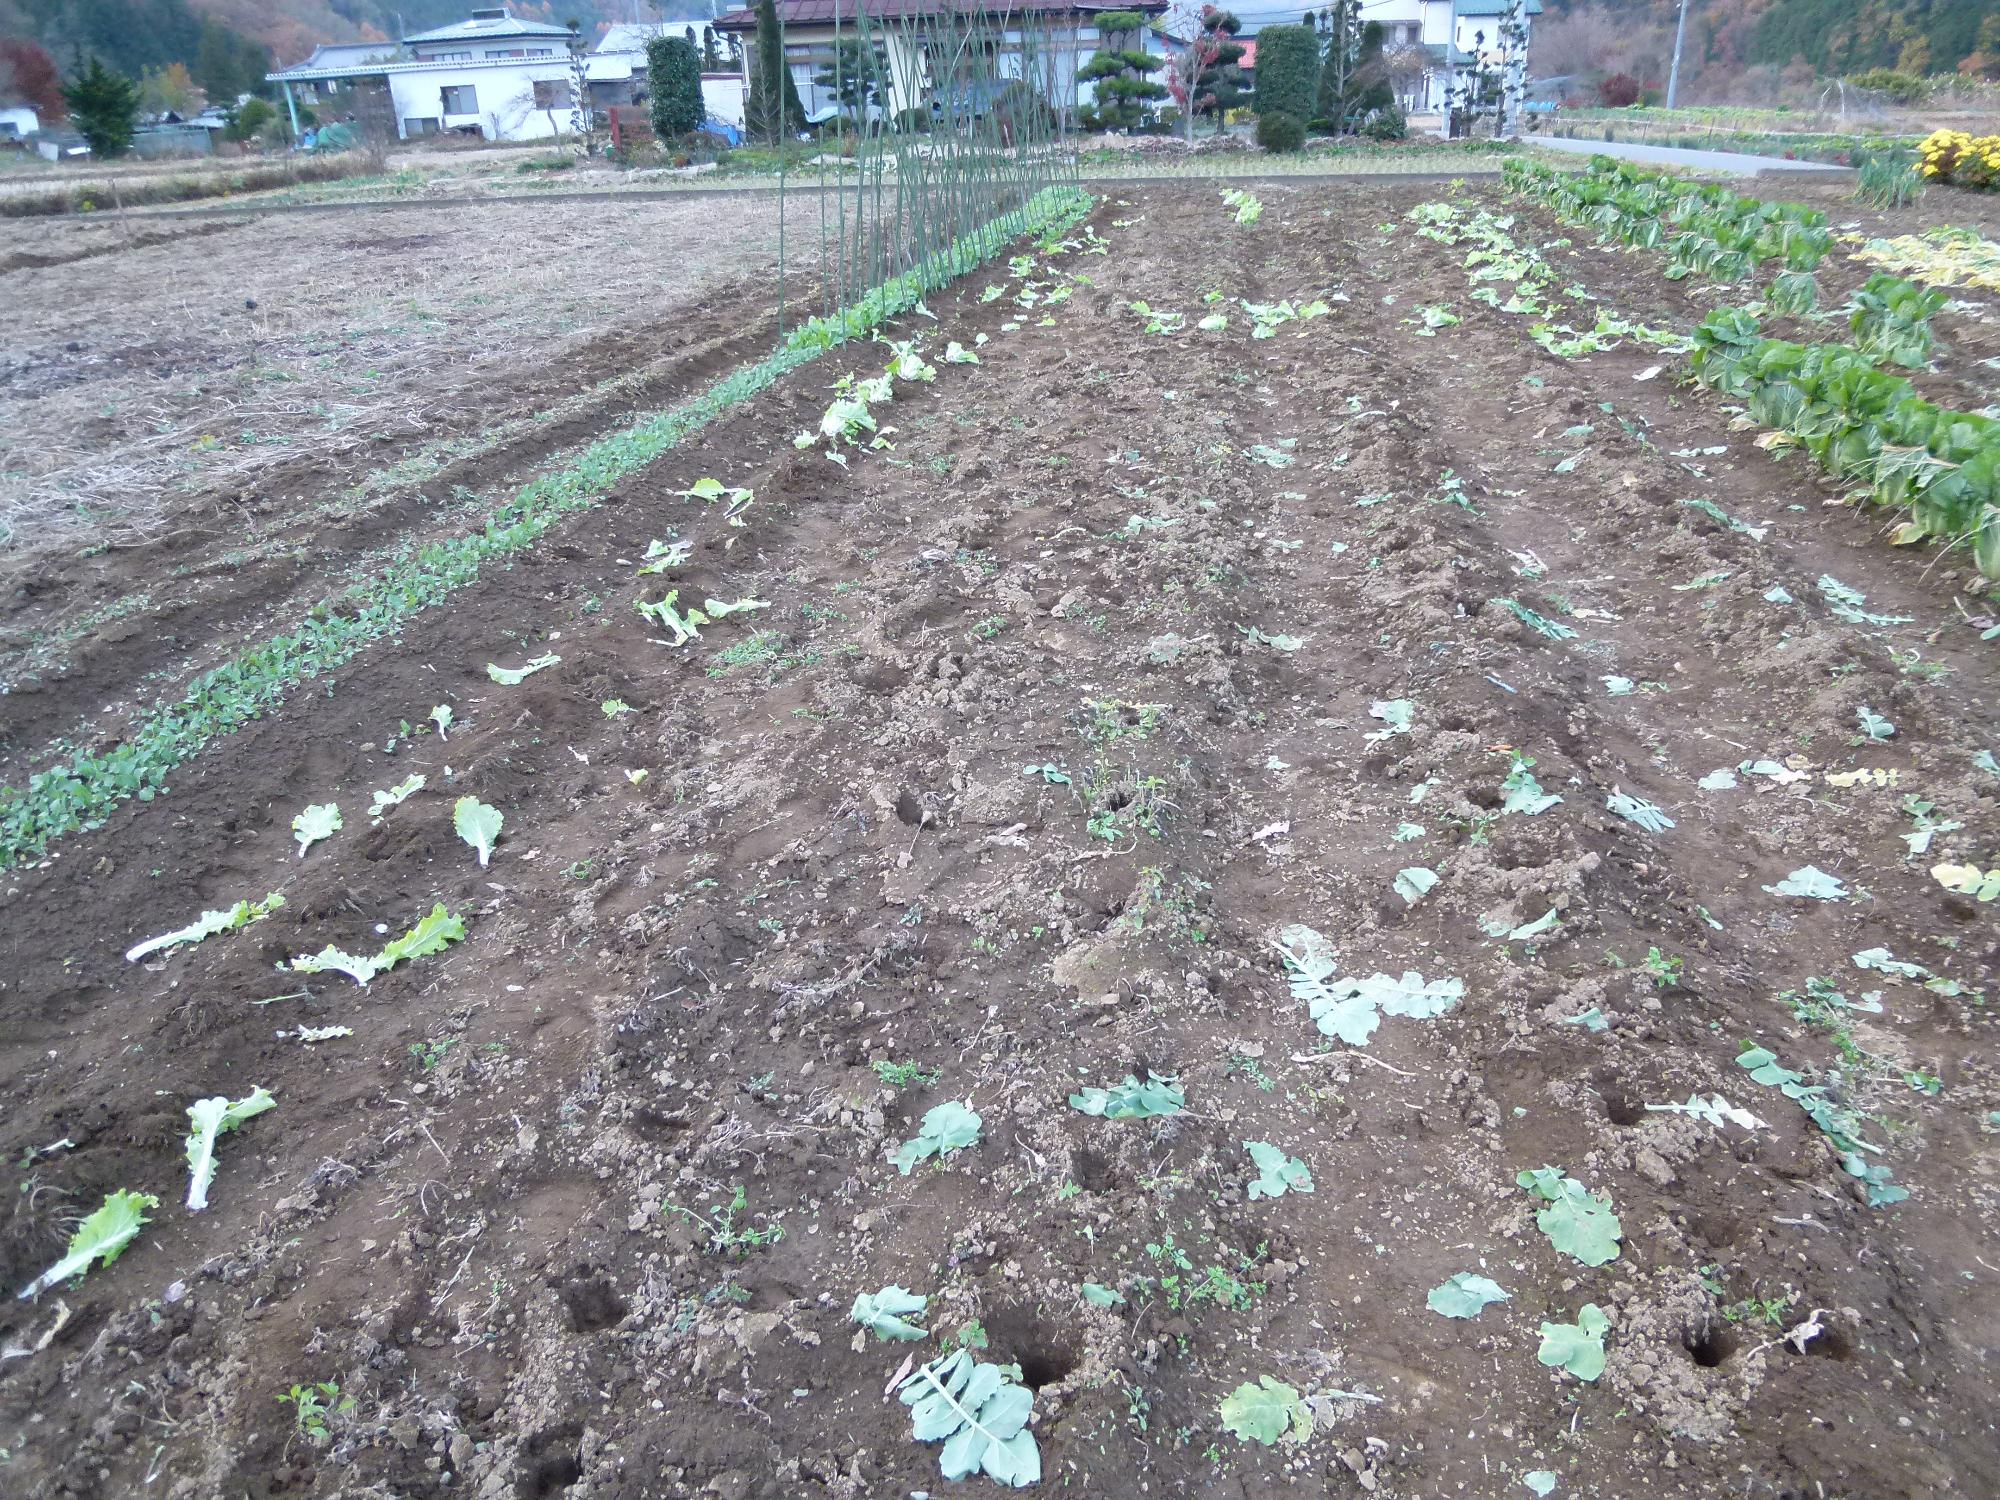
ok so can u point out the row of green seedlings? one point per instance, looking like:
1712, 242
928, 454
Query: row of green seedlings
102, 1236
82, 786
1862, 423
1497, 259
1711, 231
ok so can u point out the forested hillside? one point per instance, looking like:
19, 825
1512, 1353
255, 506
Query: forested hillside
1737, 44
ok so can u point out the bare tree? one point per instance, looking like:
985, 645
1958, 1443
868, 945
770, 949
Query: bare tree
1590, 41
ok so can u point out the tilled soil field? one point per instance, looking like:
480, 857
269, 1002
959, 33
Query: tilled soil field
1137, 653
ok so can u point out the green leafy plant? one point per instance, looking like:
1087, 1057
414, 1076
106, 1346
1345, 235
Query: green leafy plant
682, 627
1840, 1125
209, 1119
1520, 792
1132, 1100
320, 821
441, 716
432, 934
1664, 969
981, 1413
477, 824
1266, 1411
1277, 1173
1249, 208
1638, 811
1578, 1222
725, 1235
1414, 883
1538, 623
1809, 881
515, 676
102, 1237
886, 1314
396, 796
311, 1406
1350, 1009
1890, 319
903, 1075
1464, 1295
207, 925
430, 1055
1576, 1347
947, 1128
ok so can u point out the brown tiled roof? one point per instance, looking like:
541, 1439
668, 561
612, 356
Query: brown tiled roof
824, 12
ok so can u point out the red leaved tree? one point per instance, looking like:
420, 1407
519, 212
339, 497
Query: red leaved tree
1184, 80
28, 76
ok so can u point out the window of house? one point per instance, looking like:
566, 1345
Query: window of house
414, 126
460, 99
444, 57
553, 93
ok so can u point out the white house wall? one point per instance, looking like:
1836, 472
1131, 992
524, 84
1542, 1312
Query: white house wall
722, 98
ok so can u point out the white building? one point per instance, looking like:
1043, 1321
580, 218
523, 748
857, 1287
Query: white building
491, 75
1452, 36
18, 122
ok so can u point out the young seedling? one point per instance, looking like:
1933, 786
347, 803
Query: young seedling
311, 1406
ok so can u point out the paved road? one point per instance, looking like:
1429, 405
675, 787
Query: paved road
1677, 156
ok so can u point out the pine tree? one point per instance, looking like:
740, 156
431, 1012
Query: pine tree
773, 111
1118, 69
103, 106
1220, 86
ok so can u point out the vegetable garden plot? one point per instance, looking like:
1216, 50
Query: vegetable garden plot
1159, 917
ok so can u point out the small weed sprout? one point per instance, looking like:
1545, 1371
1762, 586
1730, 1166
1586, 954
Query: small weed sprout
724, 1235
313, 1404
1664, 969
903, 1075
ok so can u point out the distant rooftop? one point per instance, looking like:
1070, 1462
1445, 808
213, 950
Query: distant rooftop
484, 25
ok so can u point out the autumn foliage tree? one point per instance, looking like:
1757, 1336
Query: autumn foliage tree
28, 76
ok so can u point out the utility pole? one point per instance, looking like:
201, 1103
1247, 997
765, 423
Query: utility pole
1674, 74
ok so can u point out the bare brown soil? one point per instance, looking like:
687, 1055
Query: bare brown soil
223, 444
501, 1245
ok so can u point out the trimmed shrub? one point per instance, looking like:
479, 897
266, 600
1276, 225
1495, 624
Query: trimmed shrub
1278, 131
1287, 71
1387, 125
673, 69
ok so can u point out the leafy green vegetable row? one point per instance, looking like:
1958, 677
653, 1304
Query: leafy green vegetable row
1706, 228
1866, 425
1862, 423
